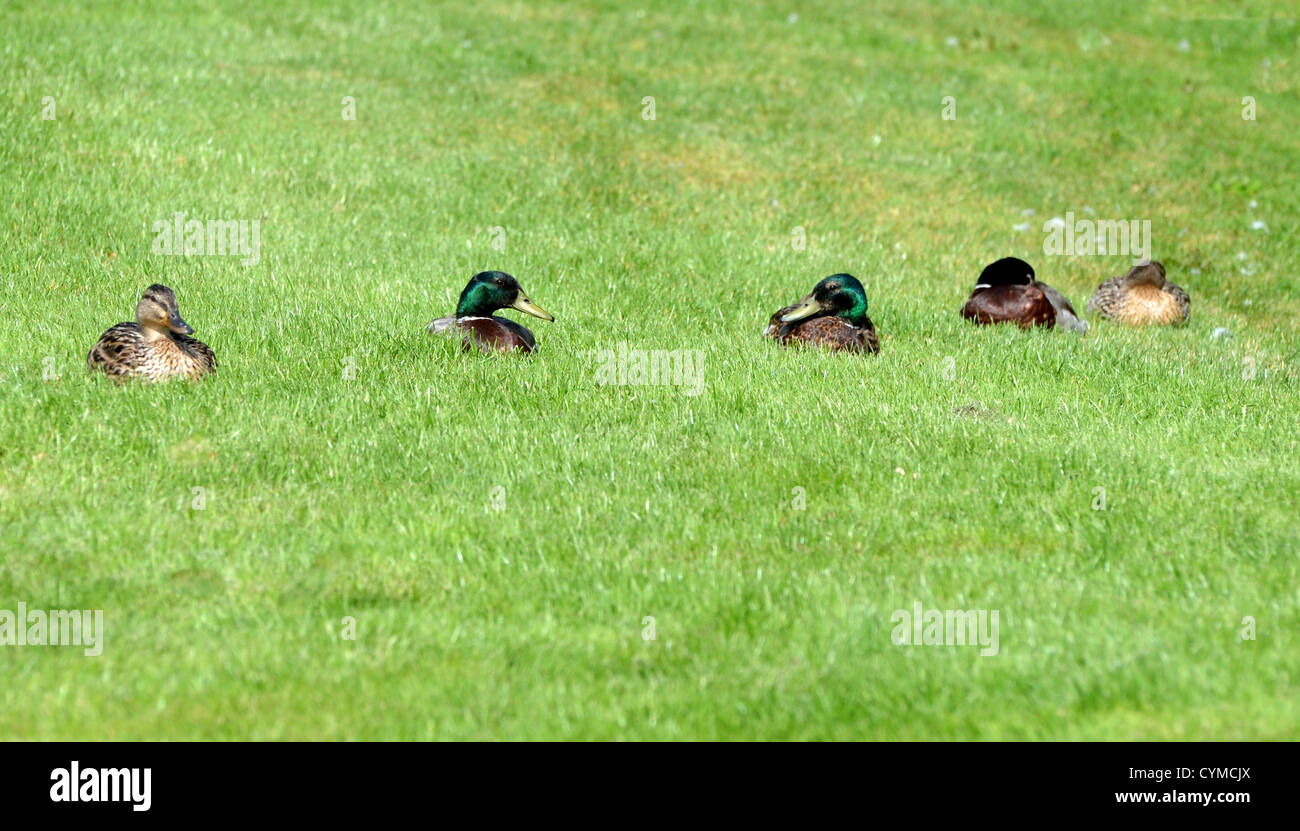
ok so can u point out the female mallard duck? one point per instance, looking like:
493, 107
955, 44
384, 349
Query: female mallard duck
1142, 296
1007, 292
486, 292
834, 315
156, 347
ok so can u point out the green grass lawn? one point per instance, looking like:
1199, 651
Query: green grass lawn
498, 529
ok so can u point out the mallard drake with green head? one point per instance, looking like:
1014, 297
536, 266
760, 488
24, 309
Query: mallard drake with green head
833, 315
1142, 296
1008, 292
485, 293
157, 346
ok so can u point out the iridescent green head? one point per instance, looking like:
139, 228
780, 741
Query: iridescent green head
840, 295
488, 291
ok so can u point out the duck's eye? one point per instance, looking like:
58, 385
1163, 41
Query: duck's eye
833, 287
500, 282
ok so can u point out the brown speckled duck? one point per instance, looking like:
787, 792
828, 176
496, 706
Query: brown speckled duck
485, 293
1142, 296
832, 316
1009, 292
156, 347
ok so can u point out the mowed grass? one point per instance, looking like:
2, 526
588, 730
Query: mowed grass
959, 468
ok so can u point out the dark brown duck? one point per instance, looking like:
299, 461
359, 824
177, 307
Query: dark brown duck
1008, 292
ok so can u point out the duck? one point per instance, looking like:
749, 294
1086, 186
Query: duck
1142, 296
833, 315
1008, 291
155, 347
485, 293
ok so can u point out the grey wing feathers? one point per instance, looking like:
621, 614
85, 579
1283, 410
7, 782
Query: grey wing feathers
1065, 316
441, 324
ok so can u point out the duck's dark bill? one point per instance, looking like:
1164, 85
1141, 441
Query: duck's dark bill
807, 308
527, 306
179, 326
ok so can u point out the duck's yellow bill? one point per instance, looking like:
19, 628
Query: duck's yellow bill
527, 306
806, 308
